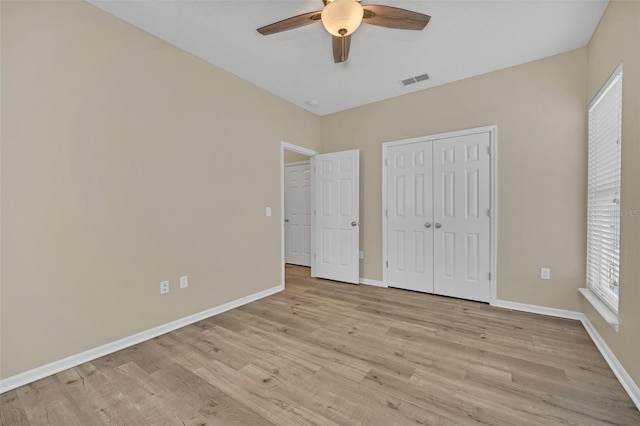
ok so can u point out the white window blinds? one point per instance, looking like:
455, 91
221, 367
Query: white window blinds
603, 205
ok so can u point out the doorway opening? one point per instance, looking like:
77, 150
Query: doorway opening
334, 212
296, 198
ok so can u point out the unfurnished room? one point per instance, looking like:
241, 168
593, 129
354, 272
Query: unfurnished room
434, 215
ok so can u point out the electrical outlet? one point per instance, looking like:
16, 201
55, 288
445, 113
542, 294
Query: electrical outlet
545, 273
184, 281
164, 287
361, 254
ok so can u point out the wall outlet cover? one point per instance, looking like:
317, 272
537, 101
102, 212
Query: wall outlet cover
184, 281
164, 287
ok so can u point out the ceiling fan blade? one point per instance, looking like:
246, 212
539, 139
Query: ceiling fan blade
290, 23
341, 48
393, 17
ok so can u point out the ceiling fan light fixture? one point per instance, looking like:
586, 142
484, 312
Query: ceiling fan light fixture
342, 17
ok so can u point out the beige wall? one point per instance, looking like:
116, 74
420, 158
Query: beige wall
124, 163
616, 40
539, 109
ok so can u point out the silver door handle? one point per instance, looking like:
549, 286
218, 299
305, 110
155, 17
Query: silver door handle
354, 223
286, 220
427, 225
438, 225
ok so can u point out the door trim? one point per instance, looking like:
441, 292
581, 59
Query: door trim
493, 175
311, 153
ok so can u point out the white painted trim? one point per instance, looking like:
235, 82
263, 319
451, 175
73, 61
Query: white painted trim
536, 309
385, 257
312, 200
38, 373
493, 167
605, 312
621, 374
311, 153
296, 163
493, 176
453, 134
375, 283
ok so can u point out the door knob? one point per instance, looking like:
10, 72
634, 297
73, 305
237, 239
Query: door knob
286, 220
438, 225
354, 223
427, 225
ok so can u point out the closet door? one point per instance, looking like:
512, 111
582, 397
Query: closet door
461, 173
409, 217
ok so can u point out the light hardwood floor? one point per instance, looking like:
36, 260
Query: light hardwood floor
326, 353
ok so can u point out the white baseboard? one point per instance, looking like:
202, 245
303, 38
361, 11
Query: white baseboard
536, 309
621, 374
374, 283
57, 366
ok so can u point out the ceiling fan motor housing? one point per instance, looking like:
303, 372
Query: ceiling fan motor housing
342, 17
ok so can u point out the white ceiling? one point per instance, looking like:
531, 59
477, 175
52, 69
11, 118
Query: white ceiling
463, 39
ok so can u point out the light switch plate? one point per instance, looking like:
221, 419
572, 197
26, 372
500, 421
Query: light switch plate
545, 273
184, 281
268, 211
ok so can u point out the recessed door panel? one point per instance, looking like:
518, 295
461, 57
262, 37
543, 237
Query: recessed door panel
472, 257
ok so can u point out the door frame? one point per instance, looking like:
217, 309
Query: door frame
311, 153
493, 175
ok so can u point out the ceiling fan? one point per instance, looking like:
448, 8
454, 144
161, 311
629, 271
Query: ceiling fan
342, 17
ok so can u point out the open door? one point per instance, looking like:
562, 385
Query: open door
337, 216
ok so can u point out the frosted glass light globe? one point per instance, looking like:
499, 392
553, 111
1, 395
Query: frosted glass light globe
342, 17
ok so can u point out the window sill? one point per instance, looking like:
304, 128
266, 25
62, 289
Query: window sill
609, 316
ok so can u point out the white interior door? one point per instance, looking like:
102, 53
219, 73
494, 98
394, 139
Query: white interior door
337, 216
297, 215
409, 217
461, 185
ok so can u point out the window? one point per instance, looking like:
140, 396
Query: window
603, 205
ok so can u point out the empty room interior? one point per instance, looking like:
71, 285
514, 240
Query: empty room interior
437, 220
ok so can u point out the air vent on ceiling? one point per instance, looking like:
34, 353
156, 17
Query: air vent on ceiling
416, 79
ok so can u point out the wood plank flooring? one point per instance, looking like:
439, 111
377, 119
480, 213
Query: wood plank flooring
327, 353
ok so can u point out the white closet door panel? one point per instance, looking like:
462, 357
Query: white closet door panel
461, 171
409, 217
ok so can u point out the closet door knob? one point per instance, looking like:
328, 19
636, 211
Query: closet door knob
427, 225
438, 225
